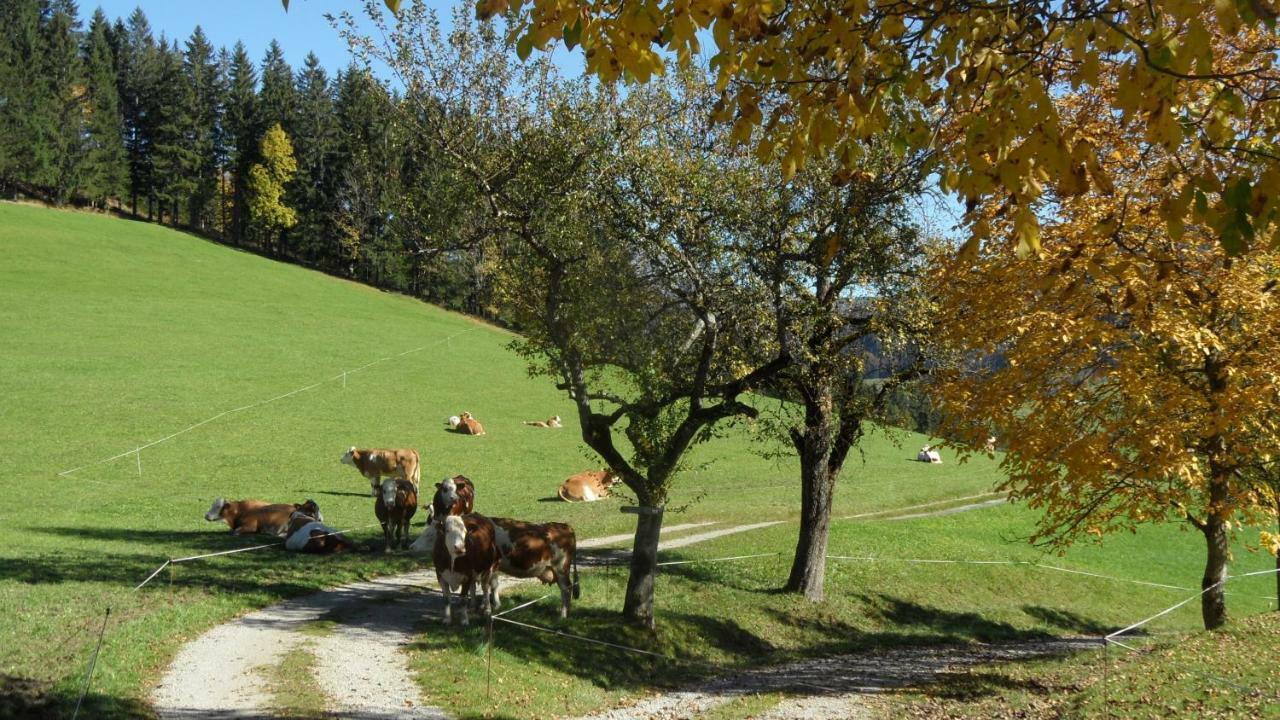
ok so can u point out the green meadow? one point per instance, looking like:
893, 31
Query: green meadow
246, 377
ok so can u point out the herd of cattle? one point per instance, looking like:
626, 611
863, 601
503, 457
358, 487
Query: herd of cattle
466, 548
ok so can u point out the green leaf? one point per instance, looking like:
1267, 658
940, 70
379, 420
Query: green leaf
524, 47
286, 5
573, 34
393, 5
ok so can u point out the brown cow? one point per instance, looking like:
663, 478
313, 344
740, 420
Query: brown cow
395, 506
375, 463
551, 422
468, 425
544, 551
255, 516
588, 486
306, 534
465, 553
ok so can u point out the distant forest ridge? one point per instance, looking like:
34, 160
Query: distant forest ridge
114, 117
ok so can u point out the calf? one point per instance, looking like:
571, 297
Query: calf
465, 553
255, 516
588, 486
468, 425
544, 551
395, 507
307, 534
375, 463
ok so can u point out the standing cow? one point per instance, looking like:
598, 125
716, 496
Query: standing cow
545, 551
374, 464
396, 504
465, 553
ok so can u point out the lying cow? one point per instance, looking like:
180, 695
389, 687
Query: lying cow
468, 425
309, 535
551, 422
544, 551
465, 553
588, 486
929, 455
255, 516
395, 506
374, 464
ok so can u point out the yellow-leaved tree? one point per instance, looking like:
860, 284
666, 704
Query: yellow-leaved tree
1131, 367
972, 80
266, 184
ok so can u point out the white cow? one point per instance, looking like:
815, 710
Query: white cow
929, 455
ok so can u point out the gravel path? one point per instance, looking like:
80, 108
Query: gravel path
832, 687
359, 660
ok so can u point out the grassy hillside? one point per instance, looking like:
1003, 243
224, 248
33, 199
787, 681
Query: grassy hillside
119, 334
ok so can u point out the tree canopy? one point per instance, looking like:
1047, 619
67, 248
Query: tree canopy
973, 82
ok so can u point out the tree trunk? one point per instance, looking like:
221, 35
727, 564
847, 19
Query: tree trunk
1213, 604
638, 608
810, 565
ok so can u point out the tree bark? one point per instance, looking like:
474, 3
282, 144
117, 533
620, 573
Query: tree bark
808, 569
1213, 604
638, 607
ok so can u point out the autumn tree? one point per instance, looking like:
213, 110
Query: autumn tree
267, 180
804, 80
1140, 359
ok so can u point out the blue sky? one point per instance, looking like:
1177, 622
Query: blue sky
301, 30
255, 22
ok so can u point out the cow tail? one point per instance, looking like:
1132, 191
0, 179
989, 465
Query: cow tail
417, 470
560, 492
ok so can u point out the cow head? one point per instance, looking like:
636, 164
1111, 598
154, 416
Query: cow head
455, 536
609, 479
349, 457
215, 512
465, 416
311, 508
446, 495
454, 421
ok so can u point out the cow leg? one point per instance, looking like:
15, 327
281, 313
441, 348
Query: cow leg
566, 592
375, 485
488, 586
468, 592
495, 600
388, 536
444, 588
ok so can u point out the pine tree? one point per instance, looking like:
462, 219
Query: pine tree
20, 122
204, 84
314, 140
240, 133
105, 173
278, 99
136, 60
64, 95
359, 208
175, 158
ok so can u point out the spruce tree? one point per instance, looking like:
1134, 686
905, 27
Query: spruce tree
105, 173
175, 160
21, 50
62, 106
204, 88
241, 133
314, 142
136, 61
278, 98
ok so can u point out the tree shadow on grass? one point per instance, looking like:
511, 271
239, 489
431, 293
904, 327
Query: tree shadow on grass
1067, 620
27, 699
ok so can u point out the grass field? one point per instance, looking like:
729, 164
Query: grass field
119, 334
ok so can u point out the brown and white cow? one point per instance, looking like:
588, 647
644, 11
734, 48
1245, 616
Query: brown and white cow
545, 551
588, 486
453, 496
396, 504
468, 425
551, 422
465, 553
309, 535
376, 463
255, 516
